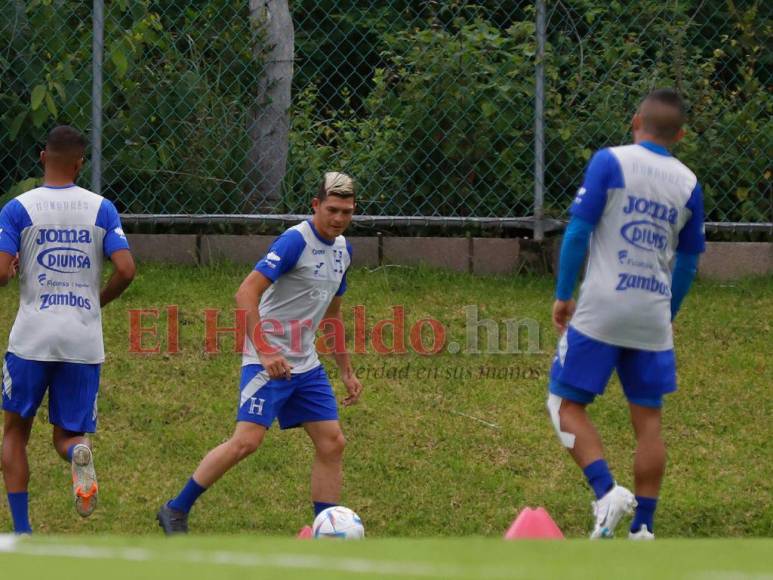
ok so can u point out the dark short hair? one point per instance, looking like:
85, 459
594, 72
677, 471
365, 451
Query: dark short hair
664, 125
66, 141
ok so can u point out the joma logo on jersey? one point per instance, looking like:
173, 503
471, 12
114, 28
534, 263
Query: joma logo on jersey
628, 281
72, 236
69, 299
645, 235
655, 210
64, 260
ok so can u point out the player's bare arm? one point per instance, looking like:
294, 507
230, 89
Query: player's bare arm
562, 314
350, 380
7, 267
248, 298
124, 270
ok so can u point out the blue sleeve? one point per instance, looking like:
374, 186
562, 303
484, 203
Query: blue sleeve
282, 256
603, 173
692, 237
342, 288
108, 220
573, 249
681, 279
13, 219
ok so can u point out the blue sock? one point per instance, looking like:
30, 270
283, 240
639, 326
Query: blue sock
188, 496
320, 506
20, 512
599, 477
69, 452
645, 513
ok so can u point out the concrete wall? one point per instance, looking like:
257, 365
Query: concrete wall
486, 256
732, 260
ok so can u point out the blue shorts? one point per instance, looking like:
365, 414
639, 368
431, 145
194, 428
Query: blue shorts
72, 391
304, 398
583, 366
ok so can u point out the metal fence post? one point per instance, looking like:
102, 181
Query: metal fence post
539, 126
98, 46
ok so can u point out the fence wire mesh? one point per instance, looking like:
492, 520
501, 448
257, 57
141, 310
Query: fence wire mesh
220, 107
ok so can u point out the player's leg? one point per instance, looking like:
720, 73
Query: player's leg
260, 398
72, 410
327, 469
581, 369
65, 441
574, 419
646, 377
246, 438
648, 467
24, 383
16, 471
313, 405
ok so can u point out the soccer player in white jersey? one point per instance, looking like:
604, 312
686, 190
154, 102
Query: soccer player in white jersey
61, 234
642, 210
299, 282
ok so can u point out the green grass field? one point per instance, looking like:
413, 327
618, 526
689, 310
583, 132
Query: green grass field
441, 450
198, 558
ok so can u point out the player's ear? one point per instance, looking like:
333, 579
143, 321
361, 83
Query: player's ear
314, 205
636, 121
43, 157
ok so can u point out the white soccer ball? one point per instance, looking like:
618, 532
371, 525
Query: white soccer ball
338, 522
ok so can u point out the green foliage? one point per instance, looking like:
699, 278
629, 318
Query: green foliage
179, 85
430, 105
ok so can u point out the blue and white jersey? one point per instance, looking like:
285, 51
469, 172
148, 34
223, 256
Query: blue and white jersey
645, 205
307, 271
61, 235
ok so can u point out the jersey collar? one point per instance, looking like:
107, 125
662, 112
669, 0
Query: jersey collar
655, 148
58, 186
316, 233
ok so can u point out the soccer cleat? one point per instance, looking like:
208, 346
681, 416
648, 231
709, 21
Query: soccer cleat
610, 509
84, 480
305, 533
642, 535
172, 521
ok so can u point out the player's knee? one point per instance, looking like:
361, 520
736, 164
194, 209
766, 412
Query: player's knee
244, 445
332, 448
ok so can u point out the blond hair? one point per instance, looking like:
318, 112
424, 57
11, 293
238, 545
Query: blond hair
335, 183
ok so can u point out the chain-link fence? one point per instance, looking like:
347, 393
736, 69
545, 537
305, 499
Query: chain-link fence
225, 108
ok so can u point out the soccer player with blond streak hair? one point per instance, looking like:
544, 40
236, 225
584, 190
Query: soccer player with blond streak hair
297, 284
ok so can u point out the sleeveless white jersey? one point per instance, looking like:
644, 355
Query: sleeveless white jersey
307, 271
61, 235
648, 198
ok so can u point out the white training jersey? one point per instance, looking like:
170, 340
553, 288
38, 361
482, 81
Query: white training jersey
307, 271
61, 235
645, 205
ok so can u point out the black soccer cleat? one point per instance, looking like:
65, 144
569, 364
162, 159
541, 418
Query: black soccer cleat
172, 521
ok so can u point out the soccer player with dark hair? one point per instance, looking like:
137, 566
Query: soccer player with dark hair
299, 282
639, 211
57, 235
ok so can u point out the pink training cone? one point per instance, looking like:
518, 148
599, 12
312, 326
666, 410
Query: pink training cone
534, 524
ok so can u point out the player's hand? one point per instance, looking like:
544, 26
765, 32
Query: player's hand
14, 269
353, 387
275, 365
563, 310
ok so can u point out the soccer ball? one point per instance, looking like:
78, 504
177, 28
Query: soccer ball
338, 522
